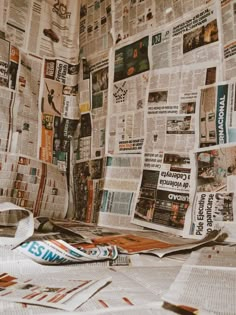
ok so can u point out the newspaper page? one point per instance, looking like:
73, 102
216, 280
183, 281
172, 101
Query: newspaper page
17, 22
120, 187
209, 269
66, 295
7, 98
95, 25
99, 103
25, 113
54, 29
88, 178
163, 196
131, 18
213, 195
34, 185
194, 39
127, 98
216, 115
84, 86
228, 9
9, 62
59, 110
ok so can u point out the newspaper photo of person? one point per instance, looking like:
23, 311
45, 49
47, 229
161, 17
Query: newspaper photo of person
52, 97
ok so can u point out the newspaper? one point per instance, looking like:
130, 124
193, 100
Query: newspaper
194, 39
95, 25
88, 184
208, 268
212, 196
59, 110
45, 28
24, 223
59, 252
66, 295
132, 244
127, 98
36, 186
229, 37
120, 186
216, 118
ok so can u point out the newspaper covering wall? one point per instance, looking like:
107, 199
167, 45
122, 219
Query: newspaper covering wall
26, 107
95, 26
213, 195
229, 39
34, 185
59, 110
88, 179
193, 40
127, 98
216, 115
120, 186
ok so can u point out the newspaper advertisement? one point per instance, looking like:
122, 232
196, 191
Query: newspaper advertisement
228, 9
213, 198
34, 185
88, 179
66, 295
54, 29
163, 197
25, 113
59, 110
127, 98
193, 40
120, 187
216, 115
95, 26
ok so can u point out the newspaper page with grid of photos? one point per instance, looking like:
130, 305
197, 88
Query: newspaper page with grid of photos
212, 189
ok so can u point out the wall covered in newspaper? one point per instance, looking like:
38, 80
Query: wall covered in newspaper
120, 113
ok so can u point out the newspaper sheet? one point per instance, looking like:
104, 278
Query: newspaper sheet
228, 9
213, 194
95, 26
209, 269
37, 186
88, 177
216, 115
130, 243
120, 186
127, 98
59, 111
67, 295
26, 108
194, 39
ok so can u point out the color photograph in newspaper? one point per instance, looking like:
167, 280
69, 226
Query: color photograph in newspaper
213, 199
